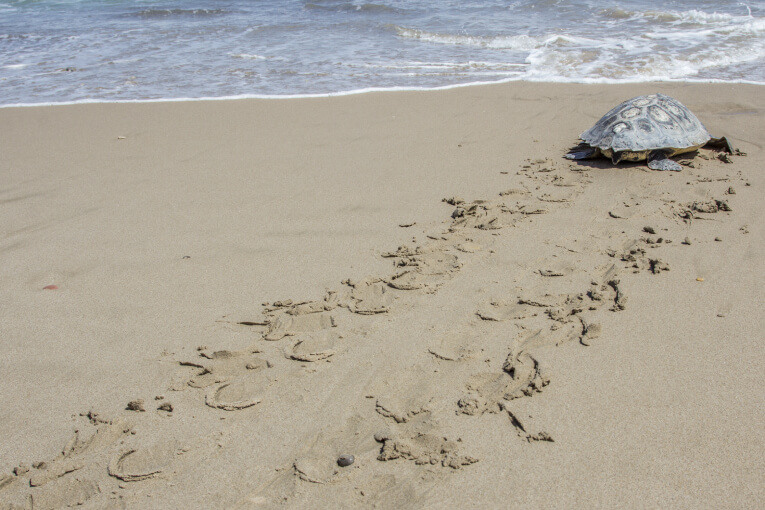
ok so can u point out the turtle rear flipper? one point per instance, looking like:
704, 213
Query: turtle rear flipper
583, 152
659, 160
721, 143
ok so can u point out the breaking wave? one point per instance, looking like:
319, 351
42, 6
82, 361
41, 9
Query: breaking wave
127, 50
164, 13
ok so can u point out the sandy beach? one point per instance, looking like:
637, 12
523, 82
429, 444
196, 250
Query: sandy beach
245, 290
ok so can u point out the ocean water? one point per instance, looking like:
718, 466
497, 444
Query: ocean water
116, 50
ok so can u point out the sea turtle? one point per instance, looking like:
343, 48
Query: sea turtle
654, 128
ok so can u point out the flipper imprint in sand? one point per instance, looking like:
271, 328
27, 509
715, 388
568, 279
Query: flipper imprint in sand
286, 324
316, 464
105, 434
56, 470
498, 310
69, 479
636, 258
141, 463
423, 449
51, 490
403, 409
558, 307
64, 493
240, 393
486, 391
329, 303
453, 346
544, 319
407, 399
483, 215
370, 296
552, 319
422, 267
221, 366
311, 347
316, 468
413, 414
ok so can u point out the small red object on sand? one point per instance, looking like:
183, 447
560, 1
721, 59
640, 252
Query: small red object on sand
50, 287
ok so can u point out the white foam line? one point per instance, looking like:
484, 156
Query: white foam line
607, 81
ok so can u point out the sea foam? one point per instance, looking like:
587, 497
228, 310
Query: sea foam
73, 51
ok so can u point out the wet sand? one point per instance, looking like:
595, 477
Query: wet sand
417, 279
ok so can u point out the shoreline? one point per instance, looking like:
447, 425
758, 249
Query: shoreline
353, 92
166, 225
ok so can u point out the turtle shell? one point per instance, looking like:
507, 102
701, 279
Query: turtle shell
647, 123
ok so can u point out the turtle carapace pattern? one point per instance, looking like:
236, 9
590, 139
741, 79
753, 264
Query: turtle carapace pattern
653, 128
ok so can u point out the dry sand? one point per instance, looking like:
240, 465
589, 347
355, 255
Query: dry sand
231, 271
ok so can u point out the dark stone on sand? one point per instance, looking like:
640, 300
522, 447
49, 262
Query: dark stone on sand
649, 230
345, 460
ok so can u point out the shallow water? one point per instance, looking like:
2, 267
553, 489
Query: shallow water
82, 50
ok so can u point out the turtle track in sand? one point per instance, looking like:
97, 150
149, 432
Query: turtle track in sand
481, 362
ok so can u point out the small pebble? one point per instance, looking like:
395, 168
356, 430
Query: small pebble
345, 460
687, 240
50, 287
167, 406
649, 230
718, 239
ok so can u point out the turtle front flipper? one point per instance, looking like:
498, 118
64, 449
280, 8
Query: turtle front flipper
582, 152
659, 160
721, 143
